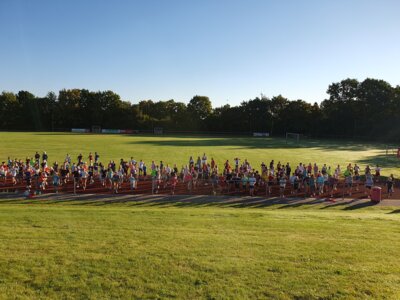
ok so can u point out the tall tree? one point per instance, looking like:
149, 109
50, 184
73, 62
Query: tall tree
199, 109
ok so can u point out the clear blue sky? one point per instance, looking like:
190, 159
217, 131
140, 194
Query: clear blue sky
226, 49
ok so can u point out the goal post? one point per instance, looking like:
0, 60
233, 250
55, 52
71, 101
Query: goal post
392, 151
158, 130
96, 129
292, 136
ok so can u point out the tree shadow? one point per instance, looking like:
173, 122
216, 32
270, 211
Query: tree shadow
382, 160
254, 143
240, 142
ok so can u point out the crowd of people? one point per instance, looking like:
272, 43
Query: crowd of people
236, 176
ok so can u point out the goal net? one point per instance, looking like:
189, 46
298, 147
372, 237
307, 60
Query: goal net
158, 130
291, 136
96, 129
391, 151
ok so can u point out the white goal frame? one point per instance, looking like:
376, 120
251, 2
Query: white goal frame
158, 130
96, 129
294, 135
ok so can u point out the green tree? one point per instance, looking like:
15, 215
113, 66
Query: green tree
200, 107
10, 113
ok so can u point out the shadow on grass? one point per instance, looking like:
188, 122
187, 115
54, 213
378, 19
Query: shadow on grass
240, 142
255, 143
186, 201
360, 205
381, 160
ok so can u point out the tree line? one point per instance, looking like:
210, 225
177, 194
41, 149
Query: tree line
369, 109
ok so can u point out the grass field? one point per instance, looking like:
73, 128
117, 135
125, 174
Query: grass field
177, 149
140, 249
100, 249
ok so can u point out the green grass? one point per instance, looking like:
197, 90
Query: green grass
137, 249
177, 149
175, 249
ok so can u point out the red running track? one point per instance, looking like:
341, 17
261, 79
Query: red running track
144, 186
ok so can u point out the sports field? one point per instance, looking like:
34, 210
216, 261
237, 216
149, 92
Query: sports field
177, 149
197, 247
192, 249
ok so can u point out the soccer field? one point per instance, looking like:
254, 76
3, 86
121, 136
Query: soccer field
177, 149
157, 249
196, 247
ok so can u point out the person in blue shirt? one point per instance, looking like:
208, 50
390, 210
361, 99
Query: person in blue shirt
320, 184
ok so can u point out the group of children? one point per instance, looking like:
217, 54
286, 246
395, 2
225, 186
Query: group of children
238, 176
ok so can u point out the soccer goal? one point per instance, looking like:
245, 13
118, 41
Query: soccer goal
392, 151
96, 129
158, 130
291, 136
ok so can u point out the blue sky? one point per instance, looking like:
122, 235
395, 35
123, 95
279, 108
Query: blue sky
228, 50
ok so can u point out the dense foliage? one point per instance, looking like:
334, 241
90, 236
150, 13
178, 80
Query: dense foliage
370, 108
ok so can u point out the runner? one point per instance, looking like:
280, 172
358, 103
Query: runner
282, 186
115, 182
270, 183
356, 176
252, 182
3, 173
174, 181
90, 157
37, 157
83, 178
132, 181
311, 183
320, 184
56, 181
390, 185
96, 157
76, 176
154, 181
369, 182
377, 173
348, 180
214, 182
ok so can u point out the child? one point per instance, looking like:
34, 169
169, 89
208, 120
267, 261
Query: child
144, 170
348, 181
132, 181
214, 182
320, 184
84, 176
252, 183
244, 182
368, 184
296, 184
270, 182
390, 184
115, 182
377, 173
43, 180
174, 181
56, 182
311, 183
282, 186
